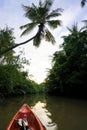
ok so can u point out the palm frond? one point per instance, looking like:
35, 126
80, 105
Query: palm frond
28, 28
31, 12
37, 40
85, 21
85, 25
54, 13
40, 3
29, 25
83, 28
54, 23
39, 35
74, 28
49, 37
47, 5
27, 9
43, 8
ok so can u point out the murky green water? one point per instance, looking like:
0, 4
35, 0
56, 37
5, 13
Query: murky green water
54, 112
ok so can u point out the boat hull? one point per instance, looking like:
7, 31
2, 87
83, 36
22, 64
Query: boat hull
26, 114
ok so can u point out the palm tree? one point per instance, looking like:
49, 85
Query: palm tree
83, 2
74, 29
40, 16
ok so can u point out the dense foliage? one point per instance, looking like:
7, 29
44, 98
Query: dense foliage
68, 75
13, 80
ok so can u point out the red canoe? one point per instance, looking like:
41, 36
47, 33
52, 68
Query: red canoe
25, 119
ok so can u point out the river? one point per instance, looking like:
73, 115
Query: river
55, 113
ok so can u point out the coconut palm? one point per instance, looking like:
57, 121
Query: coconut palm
74, 29
41, 16
83, 2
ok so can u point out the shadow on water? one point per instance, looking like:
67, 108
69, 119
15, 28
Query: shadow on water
54, 112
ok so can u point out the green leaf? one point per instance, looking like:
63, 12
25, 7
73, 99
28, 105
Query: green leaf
54, 13
37, 40
28, 28
49, 37
54, 23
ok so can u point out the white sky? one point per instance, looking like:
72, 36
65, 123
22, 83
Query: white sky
12, 14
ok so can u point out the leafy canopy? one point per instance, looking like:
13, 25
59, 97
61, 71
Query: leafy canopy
41, 16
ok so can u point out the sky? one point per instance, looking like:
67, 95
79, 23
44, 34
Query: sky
12, 15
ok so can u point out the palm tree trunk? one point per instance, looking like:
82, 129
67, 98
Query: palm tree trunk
16, 45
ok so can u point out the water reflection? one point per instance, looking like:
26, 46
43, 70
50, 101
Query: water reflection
54, 112
44, 115
68, 114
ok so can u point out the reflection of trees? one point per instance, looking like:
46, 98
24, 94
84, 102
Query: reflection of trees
44, 115
62, 112
68, 114
34, 98
55, 107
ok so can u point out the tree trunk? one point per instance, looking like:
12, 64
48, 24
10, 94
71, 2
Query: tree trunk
16, 45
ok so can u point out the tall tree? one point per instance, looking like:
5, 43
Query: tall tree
40, 16
12, 78
69, 71
6, 40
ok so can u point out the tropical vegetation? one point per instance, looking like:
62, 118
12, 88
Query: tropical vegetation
39, 16
13, 79
68, 75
